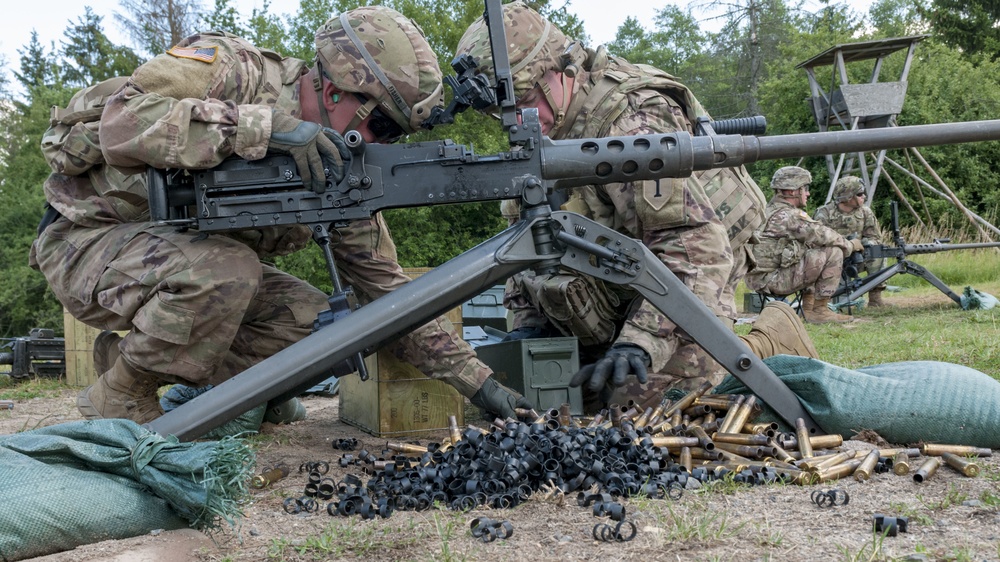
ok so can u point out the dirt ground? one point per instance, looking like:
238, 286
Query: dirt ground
950, 517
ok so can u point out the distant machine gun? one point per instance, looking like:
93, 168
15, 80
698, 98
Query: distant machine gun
239, 195
40, 354
852, 286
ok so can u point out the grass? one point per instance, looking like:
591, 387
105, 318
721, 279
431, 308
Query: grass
43, 387
354, 537
930, 326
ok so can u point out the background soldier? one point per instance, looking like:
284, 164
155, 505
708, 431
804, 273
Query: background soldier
848, 215
581, 93
200, 309
795, 252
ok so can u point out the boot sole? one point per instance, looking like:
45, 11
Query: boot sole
86, 407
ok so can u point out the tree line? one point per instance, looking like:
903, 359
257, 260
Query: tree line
746, 67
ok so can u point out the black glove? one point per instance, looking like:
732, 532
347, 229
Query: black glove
619, 362
315, 154
498, 400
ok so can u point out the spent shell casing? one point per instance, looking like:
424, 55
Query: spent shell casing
864, 470
269, 477
802, 434
927, 469
900, 463
965, 466
936, 449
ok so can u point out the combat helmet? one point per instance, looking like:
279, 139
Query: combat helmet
383, 55
535, 46
790, 178
847, 187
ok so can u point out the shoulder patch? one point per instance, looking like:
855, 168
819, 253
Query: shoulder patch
202, 54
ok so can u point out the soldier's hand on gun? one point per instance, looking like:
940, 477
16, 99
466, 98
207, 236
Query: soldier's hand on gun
316, 150
612, 370
856, 245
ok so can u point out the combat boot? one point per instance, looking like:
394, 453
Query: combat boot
875, 298
778, 331
820, 313
106, 351
121, 392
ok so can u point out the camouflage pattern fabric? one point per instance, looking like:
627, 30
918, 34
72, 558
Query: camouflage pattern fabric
674, 218
203, 308
796, 252
861, 223
414, 72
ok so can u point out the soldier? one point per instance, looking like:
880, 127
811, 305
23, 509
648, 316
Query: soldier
200, 309
691, 224
848, 215
796, 253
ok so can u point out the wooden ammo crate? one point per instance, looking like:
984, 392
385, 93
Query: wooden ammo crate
79, 341
398, 400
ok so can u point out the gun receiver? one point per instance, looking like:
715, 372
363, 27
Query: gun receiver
854, 286
239, 195
39, 354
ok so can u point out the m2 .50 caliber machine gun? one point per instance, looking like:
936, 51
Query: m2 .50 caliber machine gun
852, 286
239, 195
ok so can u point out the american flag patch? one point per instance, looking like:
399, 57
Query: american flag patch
203, 54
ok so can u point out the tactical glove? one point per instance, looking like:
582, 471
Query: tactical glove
610, 371
316, 150
856, 245
271, 241
498, 400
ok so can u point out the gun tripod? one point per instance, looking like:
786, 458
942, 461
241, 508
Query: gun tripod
903, 266
541, 240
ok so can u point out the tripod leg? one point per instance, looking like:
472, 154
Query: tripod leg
921, 271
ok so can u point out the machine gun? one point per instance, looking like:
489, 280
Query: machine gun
239, 195
40, 354
853, 287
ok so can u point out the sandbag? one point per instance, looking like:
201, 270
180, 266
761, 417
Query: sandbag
83, 482
905, 402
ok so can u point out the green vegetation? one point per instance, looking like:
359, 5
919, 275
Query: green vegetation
748, 66
11, 389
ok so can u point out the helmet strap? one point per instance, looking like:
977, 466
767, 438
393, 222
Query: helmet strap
363, 112
318, 86
394, 94
558, 108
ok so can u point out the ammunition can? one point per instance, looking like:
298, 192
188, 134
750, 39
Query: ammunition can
900, 463
927, 469
864, 470
932, 449
965, 466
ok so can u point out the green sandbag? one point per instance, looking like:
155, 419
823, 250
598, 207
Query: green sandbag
83, 482
906, 402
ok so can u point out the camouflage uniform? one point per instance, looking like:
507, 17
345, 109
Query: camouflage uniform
861, 222
202, 308
796, 252
688, 223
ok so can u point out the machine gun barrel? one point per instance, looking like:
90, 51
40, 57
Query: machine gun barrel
933, 247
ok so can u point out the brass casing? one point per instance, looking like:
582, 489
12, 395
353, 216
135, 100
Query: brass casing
864, 470
933, 449
965, 466
901, 463
927, 469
